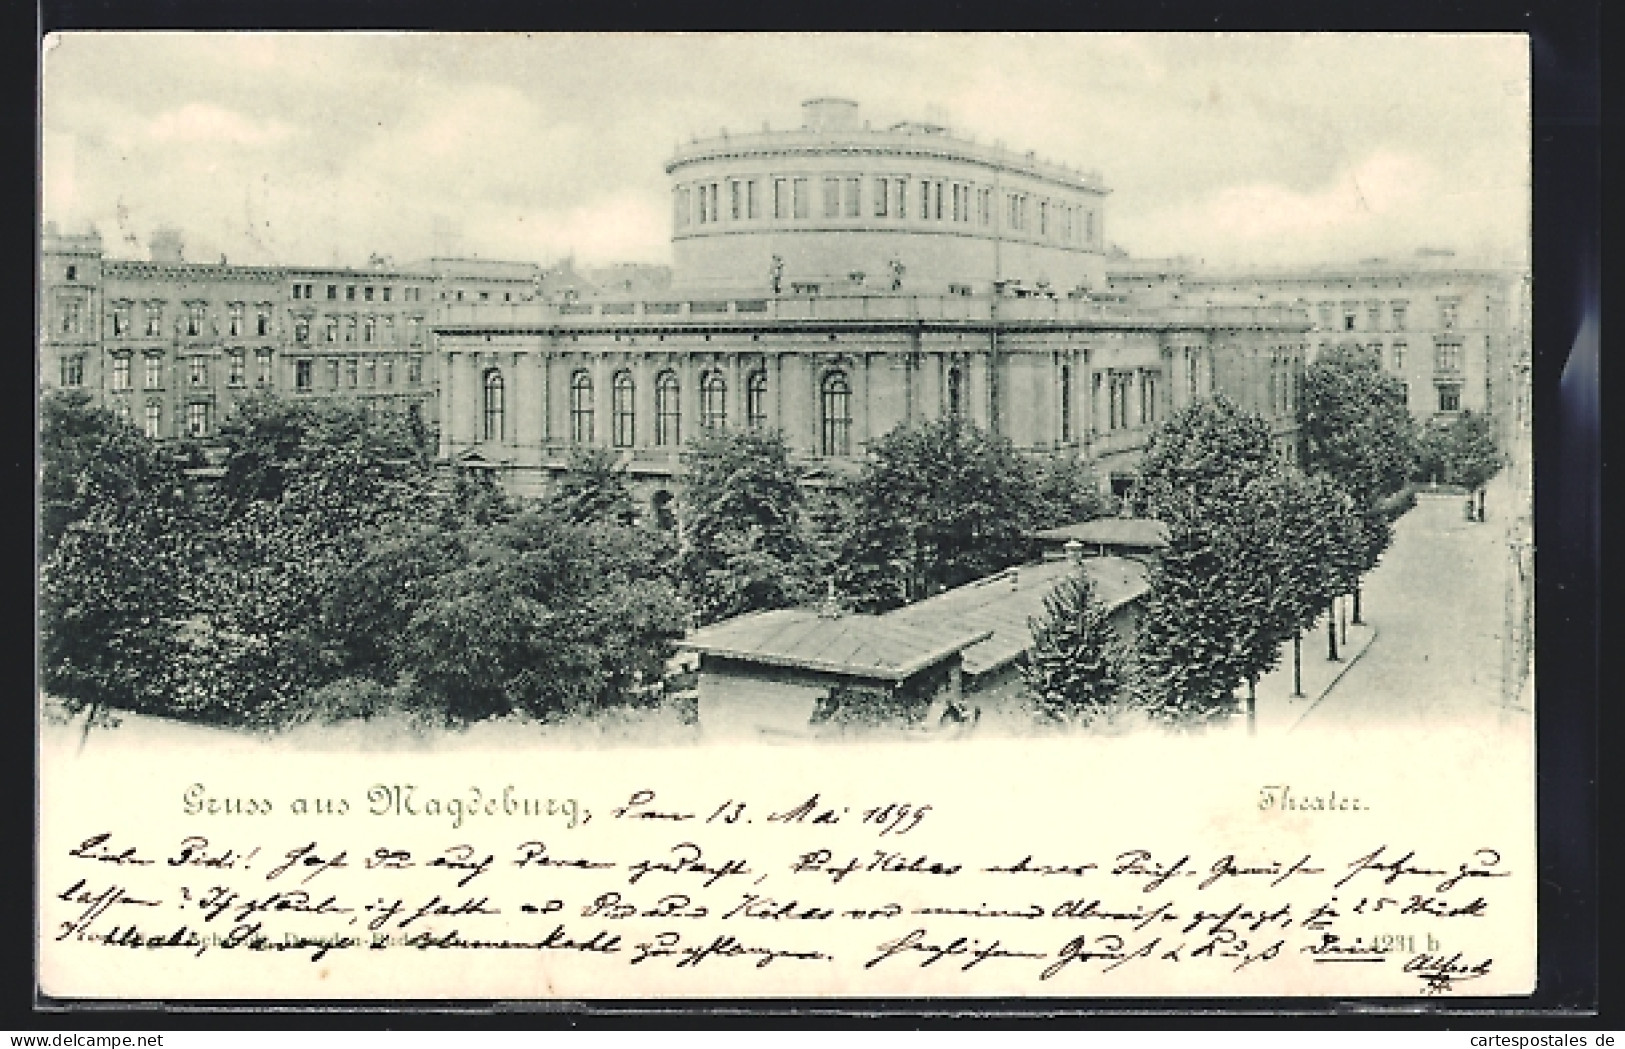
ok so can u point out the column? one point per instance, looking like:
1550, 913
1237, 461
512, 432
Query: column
737, 373
515, 395
448, 418
643, 401
860, 403
468, 385
977, 372
773, 403
689, 399
536, 410
602, 400
798, 401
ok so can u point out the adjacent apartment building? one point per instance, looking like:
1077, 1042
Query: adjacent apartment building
171, 344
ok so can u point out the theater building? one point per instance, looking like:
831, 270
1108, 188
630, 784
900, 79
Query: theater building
859, 309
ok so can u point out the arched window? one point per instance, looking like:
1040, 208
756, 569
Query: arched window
621, 410
668, 414
493, 405
713, 401
756, 401
1066, 404
581, 408
956, 392
836, 404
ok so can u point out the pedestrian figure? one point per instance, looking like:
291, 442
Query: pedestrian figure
775, 273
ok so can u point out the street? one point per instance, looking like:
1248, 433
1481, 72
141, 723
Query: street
1438, 604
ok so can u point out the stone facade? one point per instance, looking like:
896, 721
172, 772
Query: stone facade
911, 207
1453, 332
523, 386
172, 345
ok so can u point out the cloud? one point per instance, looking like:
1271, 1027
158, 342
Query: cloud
206, 123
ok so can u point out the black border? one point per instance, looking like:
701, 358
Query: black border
1565, 42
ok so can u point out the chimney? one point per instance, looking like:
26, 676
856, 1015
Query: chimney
166, 245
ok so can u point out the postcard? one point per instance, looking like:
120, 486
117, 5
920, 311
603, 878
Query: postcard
572, 517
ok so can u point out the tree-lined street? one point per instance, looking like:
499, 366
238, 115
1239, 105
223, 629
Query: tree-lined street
1438, 606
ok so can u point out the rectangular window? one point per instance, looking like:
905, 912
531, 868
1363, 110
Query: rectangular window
301, 330
1091, 233
73, 371
938, 200
234, 319
389, 371
369, 332
331, 329
349, 329
195, 313
349, 293
332, 291
197, 372
1043, 218
984, 206
303, 377
70, 317
389, 329
366, 293
781, 198
264, 360
900, 198
152, 421
152, 377
1348, 317
801, 194
121, 320
1374, 317
1447, 315
352, 372
1450, 398
121, 373
387, 290
925, 199
1399, 355
736, 199
197, 419
1399, 313
1447, 356
235, 373
881, 196
753, 204
372, 371
262, 319
832, 198
414, 330
414, 371
853, 201
333, 373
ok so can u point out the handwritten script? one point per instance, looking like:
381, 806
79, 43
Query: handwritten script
804, 893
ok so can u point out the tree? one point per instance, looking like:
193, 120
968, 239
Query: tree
116, 560
1215, 617
1074, 670
745, 544
594, 490
1461, 452
938, 505
1066, 489
1357, 430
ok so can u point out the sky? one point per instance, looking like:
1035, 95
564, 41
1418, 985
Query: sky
1239, 150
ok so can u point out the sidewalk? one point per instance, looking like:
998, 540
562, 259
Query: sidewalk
1278, 710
